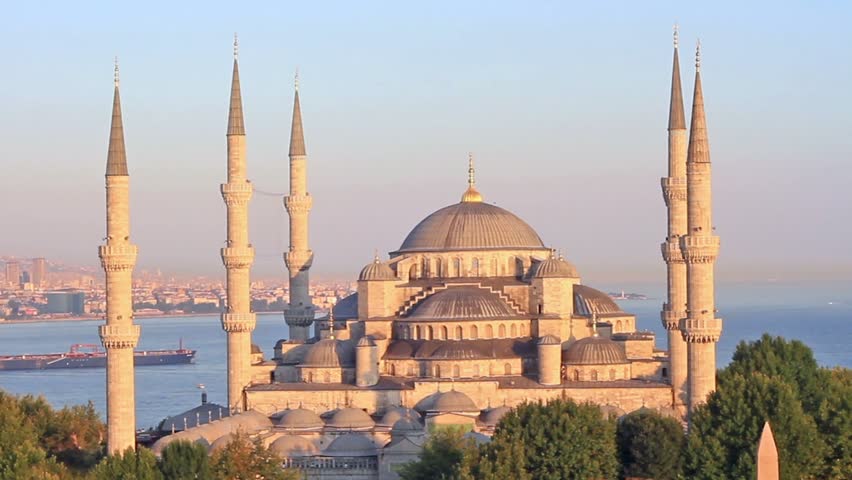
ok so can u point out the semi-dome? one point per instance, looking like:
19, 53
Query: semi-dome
453, 401
406, 426
397, 413
588, 300
351, 445
554, 268
376, 270
463, 303
350, 418
470, 225
594, 350
454, 351
549, 340
493, 416
293, 446
366, 341
329, 352
299, 418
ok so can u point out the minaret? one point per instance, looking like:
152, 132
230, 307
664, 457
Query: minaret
118, 257
701, 329
300, 313
237, 320
767, 455
674, 194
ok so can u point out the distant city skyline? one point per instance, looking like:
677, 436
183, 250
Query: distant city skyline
564, 107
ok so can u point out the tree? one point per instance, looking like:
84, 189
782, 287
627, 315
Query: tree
185, 460
130, 465
21, 457
834, 420
650, 446
557, 440
244, 459
445, 454
723, 437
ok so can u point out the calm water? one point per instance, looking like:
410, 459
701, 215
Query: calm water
820, 317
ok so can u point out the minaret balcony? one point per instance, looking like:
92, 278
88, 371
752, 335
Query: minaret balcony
238, 322
238, 257
674, 189
119, 336
298, 203
298, 260
118, 258
299, 316
671, 251
699, 248
671, 318
237, 193
701, 330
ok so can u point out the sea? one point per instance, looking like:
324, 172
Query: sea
819, 316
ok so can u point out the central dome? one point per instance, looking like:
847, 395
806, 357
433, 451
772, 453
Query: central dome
470, 226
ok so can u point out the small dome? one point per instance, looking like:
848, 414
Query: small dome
220, 443
549, 340
478, 438
255, 349
493, 416
396, 413
366, 341
455, 351
611, 411
329, 352
554, 268
299, 418
453, 401
293, 446
588, 300
376, 270
405, 426
350, 418
594, 350
351, 445
463, 303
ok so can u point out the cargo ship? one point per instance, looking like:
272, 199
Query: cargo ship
85, 355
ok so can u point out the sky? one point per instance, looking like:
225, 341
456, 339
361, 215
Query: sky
563, 104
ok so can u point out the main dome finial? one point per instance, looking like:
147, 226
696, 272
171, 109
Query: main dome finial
471, 194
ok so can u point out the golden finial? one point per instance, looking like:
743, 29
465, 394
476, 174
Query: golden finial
698, 55
594, 324
471, 194
115, 74
296, 79
331, 322
675, 33
376, 256
236, 46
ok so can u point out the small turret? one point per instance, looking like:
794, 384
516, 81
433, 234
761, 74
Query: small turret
549, 360
366, 362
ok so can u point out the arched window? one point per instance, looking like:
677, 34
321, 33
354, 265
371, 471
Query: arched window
501, 331
510, 267
493, 271
507, 369
410, 370
437, 371
514, 330
474, 332
456, 371
576, 375
519, 267
459, 332
523, 330
412, 272
439, 267
618, 326
665, 372
310, 377
476, 370
429, 333
489, 331
417, 332
392, 370
444, 333
457, 267
426, 270
612, 374
594, 375
474, 267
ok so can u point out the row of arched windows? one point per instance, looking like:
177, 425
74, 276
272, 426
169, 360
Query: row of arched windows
429, 332
594, 376
454, 267
455, 369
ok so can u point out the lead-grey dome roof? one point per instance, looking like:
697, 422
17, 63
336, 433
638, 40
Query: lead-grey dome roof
350, 418
463, 303
470, 226
588, 300
376, 270
293, 446
554, 268
330, 353
299, 418
594, 350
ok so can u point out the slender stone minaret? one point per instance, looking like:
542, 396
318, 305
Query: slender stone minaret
767, 455
237, 320
118, 257
674, 194
300, 312
701, 329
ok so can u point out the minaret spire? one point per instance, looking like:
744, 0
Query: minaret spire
118, 257
700, 247
471, 195
674, 195
299, 257
238, 320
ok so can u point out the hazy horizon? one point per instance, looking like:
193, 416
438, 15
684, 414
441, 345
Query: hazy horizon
564, 106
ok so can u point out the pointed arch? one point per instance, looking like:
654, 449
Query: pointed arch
514, 331
456, 371
474, 332
489, 331
445, 334
501, 331
507, 369
459, 332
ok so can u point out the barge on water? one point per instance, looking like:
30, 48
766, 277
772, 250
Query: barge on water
86, 355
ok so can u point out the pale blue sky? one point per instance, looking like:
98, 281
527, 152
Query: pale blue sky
564, 105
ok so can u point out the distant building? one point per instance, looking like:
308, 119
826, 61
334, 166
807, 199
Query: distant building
13, 273
38, 273
66, 301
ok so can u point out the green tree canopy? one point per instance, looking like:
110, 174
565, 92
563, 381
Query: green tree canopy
650, 446
247, 459
185, 460
130, 465
444, 455
21, 457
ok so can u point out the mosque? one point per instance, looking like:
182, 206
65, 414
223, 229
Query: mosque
473, 314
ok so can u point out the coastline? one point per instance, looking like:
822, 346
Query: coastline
84, 318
